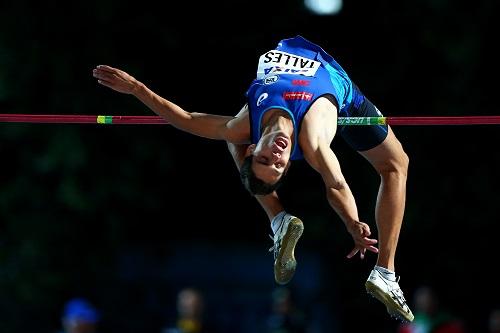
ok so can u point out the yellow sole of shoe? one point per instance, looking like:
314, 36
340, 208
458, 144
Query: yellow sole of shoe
285, 263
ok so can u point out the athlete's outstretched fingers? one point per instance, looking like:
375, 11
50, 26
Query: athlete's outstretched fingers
369, 241
105, 83
115, 79
368, 244
353, 253
362, 247
102, 75
108, 68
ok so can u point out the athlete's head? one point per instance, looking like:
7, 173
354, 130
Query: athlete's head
266, 163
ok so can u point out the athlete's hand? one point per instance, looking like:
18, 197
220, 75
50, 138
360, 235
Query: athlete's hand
360, 233
115, 79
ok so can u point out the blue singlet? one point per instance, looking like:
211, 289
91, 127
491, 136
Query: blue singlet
291, 77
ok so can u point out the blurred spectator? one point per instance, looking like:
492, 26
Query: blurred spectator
190, 314
430, 317
285, 316
79, 316
494, 321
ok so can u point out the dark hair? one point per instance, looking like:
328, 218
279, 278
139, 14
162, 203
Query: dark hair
253, 184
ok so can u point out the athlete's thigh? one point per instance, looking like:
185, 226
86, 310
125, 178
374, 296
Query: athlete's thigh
362, 138
386, 155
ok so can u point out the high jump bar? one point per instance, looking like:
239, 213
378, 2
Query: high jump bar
344, 121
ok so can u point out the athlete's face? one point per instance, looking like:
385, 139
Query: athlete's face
271, 156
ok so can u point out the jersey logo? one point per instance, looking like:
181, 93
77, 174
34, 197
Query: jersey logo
301, 82
261, 98
271, 79
297, 95
285, 63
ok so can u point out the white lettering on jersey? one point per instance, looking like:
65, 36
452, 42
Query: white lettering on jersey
278, 62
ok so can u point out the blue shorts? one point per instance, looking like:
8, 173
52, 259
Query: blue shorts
363, 137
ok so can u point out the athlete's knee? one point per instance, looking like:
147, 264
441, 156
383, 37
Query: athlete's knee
406, 160
397, 165
403, 161
338, 184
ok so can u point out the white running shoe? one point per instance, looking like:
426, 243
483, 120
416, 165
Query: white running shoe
389, 293
288, 233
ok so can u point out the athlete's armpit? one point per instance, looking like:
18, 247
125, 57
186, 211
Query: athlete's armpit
238, 128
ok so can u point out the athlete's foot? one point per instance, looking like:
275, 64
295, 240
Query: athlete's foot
389, 293
286, 237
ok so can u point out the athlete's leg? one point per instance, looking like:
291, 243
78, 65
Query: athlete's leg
391, 162
381, 148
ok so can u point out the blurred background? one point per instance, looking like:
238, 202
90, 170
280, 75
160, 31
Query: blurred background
148, 229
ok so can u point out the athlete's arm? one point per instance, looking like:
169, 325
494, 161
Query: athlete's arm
317, 133
206, 125
270, 202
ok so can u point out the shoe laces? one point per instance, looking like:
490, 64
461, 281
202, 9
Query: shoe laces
276, 247
277, 238
395, 289
397, 293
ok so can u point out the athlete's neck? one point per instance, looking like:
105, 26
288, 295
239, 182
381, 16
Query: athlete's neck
277, 120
